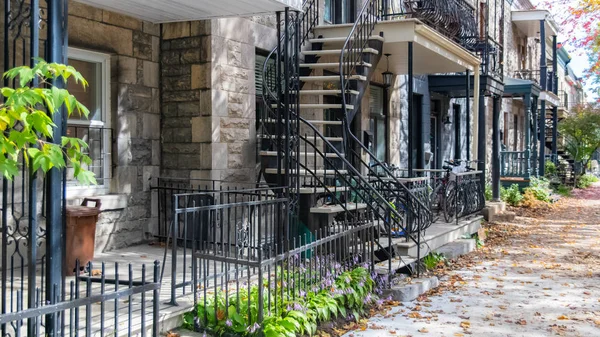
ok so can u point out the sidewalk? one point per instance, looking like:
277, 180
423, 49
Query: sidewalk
539, 278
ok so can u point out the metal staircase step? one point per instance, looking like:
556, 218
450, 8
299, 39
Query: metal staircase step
333, 209
341, 39
313, 122
318, 139
306, 173
321, 190
337, 51
318, 106
330, 78
301, 154
330, 65
327, 92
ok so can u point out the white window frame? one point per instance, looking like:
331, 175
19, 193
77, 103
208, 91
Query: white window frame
105, 120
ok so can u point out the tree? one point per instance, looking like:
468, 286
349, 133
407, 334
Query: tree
582, 134
26, 122
580, 22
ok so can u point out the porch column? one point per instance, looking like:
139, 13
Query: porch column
542, 155
456, 121
57, 44
527, 104
554, 65
411, 117
468, 109
555, 133
543, 64
496, 149
534, 137
481, 139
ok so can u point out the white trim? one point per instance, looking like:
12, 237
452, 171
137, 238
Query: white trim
105, 120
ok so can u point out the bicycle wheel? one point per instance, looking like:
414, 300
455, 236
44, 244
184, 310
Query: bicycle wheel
449, 201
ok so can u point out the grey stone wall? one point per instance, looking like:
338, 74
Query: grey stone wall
133, 45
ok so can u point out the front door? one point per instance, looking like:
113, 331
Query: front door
339, 11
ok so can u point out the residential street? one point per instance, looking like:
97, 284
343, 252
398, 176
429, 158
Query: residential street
539, 277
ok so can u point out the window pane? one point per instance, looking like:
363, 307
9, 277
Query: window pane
90, 96
328, 10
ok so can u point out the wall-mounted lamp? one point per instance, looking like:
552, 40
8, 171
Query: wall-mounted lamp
387, 75
447, 120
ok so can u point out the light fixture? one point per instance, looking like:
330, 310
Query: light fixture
387, 75
447, 120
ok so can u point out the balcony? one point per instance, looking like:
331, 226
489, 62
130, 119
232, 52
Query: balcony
535, 76
454, 19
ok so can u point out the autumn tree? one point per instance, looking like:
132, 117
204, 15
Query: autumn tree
579, 21
582, 134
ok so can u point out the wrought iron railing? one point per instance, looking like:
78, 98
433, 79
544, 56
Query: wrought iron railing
456, 19
536, 77
515, 164
89, 305
236, 255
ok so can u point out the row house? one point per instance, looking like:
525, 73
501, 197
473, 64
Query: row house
232, 134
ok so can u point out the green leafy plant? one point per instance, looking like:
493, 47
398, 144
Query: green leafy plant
488, 192
511, 195
586, 181
349, 294
432, 260
550, 168
540, 189
478, 242
563, 190
26, 121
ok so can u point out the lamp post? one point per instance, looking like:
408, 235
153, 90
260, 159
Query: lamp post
387, 74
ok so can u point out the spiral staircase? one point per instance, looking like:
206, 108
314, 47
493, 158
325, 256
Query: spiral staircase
314, 81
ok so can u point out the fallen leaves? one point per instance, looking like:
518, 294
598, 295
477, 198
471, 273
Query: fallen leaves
562, 318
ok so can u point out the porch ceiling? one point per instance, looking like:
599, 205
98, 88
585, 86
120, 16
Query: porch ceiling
433, 53
529, 22
158, 11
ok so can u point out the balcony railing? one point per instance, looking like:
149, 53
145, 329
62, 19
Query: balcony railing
535, 75
515, 164
453, 18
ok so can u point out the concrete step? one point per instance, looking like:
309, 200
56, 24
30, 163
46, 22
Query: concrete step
306, 173
332, 65
309, 137
326, 40
301, 154
321, 190
330, 78
325, 52
503, 217
318, 106
313, 122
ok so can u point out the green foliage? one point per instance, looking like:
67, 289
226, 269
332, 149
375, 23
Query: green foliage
550, 168
350, 293
26, 122
563, 190
488, 192
540, 189
433, 260
586, 181
511, 195
582, 133
478, 241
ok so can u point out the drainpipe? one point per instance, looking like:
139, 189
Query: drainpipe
544, 84
496, 149
411, 116
468, 107
555, 109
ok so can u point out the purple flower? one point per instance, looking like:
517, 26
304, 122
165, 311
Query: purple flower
298, 307
361, 284
253, 328
379, 302
228, 323
368, 299
302, 293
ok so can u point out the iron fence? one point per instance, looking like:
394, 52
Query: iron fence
212, 191
247, 259
89, 305
469, 195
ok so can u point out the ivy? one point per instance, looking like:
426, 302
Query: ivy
27, 126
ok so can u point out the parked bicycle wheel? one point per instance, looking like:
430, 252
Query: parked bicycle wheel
449, 201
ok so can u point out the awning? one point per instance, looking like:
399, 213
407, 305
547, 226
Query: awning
159, 11
517, 87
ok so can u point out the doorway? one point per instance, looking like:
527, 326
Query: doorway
339, 11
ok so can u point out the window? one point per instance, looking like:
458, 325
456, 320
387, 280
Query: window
95, 128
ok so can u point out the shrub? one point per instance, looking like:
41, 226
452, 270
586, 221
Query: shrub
540, 189
488, 192
586, 181
550, 168
563, 190
511, 195
530, 200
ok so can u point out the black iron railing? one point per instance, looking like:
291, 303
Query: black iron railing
90, 305
456, 19
535, 76
239, 265
470, 197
